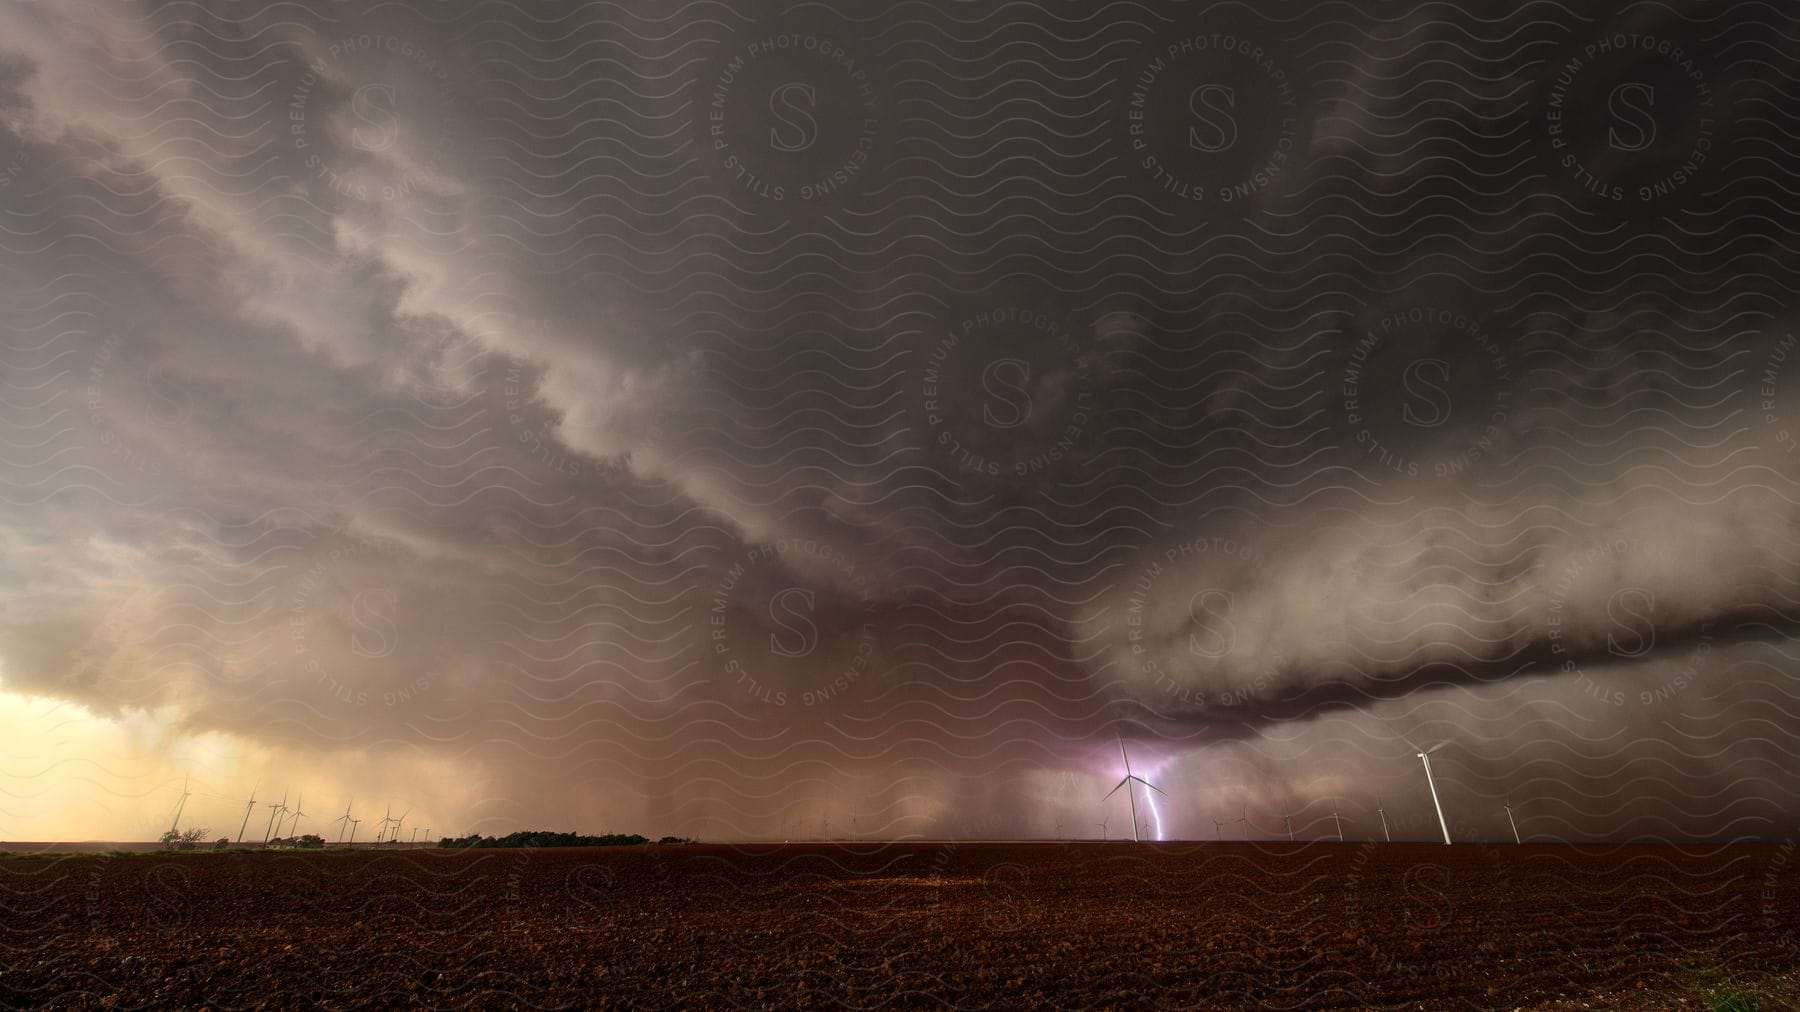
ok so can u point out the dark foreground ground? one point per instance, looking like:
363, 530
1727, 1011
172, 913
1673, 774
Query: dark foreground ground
915, 925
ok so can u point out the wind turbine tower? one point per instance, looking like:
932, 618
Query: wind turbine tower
179, 805
1337, 822
344, 821
1126, 783
275, 810
1425, 757
248, 805
1510, 822
1383, 813
294, 827
1288, 821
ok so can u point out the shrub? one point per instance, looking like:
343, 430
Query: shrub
186, 839
541, 838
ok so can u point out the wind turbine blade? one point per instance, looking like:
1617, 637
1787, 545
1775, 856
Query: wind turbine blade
1434, 748
1409, 742
1115, 790
1125, 757
1150, 785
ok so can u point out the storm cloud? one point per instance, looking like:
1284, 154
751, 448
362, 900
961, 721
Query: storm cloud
753, 420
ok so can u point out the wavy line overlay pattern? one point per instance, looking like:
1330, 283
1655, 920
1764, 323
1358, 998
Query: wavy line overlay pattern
850, 420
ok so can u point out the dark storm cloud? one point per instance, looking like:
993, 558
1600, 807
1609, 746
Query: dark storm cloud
752, 415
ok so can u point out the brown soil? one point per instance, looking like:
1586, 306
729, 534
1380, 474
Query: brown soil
1009, 925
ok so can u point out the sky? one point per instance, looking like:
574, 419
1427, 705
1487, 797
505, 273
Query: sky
765, 420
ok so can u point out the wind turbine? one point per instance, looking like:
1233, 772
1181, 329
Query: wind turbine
1335, 821
399, 826
386, 818
1425, 757
1218, 829
1102, 825
1383, 813
1126, 783
276, 809
1510, 822
1288, 821
295, 826
353, 824
1243, 821
248, 805
344, 821
179, 805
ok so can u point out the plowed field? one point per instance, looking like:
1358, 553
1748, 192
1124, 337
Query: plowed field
1009, 925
